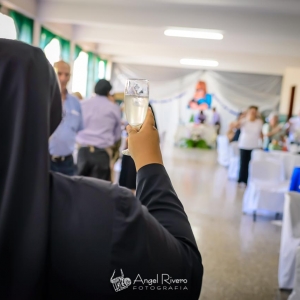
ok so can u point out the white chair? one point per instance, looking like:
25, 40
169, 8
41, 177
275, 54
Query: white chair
265, 190
296, 290
272, 155
258, 154
234, 161
290, 241
223, 150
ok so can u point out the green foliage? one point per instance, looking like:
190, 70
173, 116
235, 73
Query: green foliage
200, 144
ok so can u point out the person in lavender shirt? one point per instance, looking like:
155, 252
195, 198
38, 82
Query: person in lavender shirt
201, 117
216, 121
102, 130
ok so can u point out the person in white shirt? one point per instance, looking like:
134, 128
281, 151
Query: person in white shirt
250, 137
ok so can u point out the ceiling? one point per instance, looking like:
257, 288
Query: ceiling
260, 36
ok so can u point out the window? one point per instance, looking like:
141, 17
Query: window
101, 74
53, 51
80, 73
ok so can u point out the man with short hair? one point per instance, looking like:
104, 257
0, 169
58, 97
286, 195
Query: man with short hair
62, 141
101, 134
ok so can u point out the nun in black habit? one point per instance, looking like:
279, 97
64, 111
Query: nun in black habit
81, 238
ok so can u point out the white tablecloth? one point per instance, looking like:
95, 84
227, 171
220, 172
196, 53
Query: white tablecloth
289, 160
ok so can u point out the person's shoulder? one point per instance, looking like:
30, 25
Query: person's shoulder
73, 98
114, 107
74, 101
90, 188
22, 52
88, 100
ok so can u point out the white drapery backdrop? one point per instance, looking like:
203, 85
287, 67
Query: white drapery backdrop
171, 90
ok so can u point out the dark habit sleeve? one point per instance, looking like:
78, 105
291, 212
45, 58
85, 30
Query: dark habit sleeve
99, 231
155, 240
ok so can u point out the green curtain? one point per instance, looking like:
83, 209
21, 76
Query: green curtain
46, 37
91, 73
77, 52
24, 27
65, 45
65, 49
96, 69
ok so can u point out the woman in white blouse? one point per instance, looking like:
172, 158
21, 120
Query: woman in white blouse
250, 137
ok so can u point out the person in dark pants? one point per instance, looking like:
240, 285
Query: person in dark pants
62, 141
94, 162
102, 131
64, 165
251, 133
245, 157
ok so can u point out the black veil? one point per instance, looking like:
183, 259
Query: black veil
30, 110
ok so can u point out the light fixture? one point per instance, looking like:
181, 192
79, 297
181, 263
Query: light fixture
194, 33
199, 62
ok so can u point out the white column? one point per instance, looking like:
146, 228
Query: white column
108, 70
36, 33
291, 78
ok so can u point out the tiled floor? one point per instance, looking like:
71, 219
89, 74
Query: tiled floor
240, 257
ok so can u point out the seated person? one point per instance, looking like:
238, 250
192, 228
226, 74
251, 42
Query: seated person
273, 132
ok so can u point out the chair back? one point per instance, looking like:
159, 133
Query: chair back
234, 150
294, 201
258, 154
265, 170
223, 150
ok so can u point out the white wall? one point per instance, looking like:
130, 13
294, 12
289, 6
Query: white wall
291, 78
64, 30
171, 90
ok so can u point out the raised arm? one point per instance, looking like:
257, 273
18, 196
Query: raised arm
160, 241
